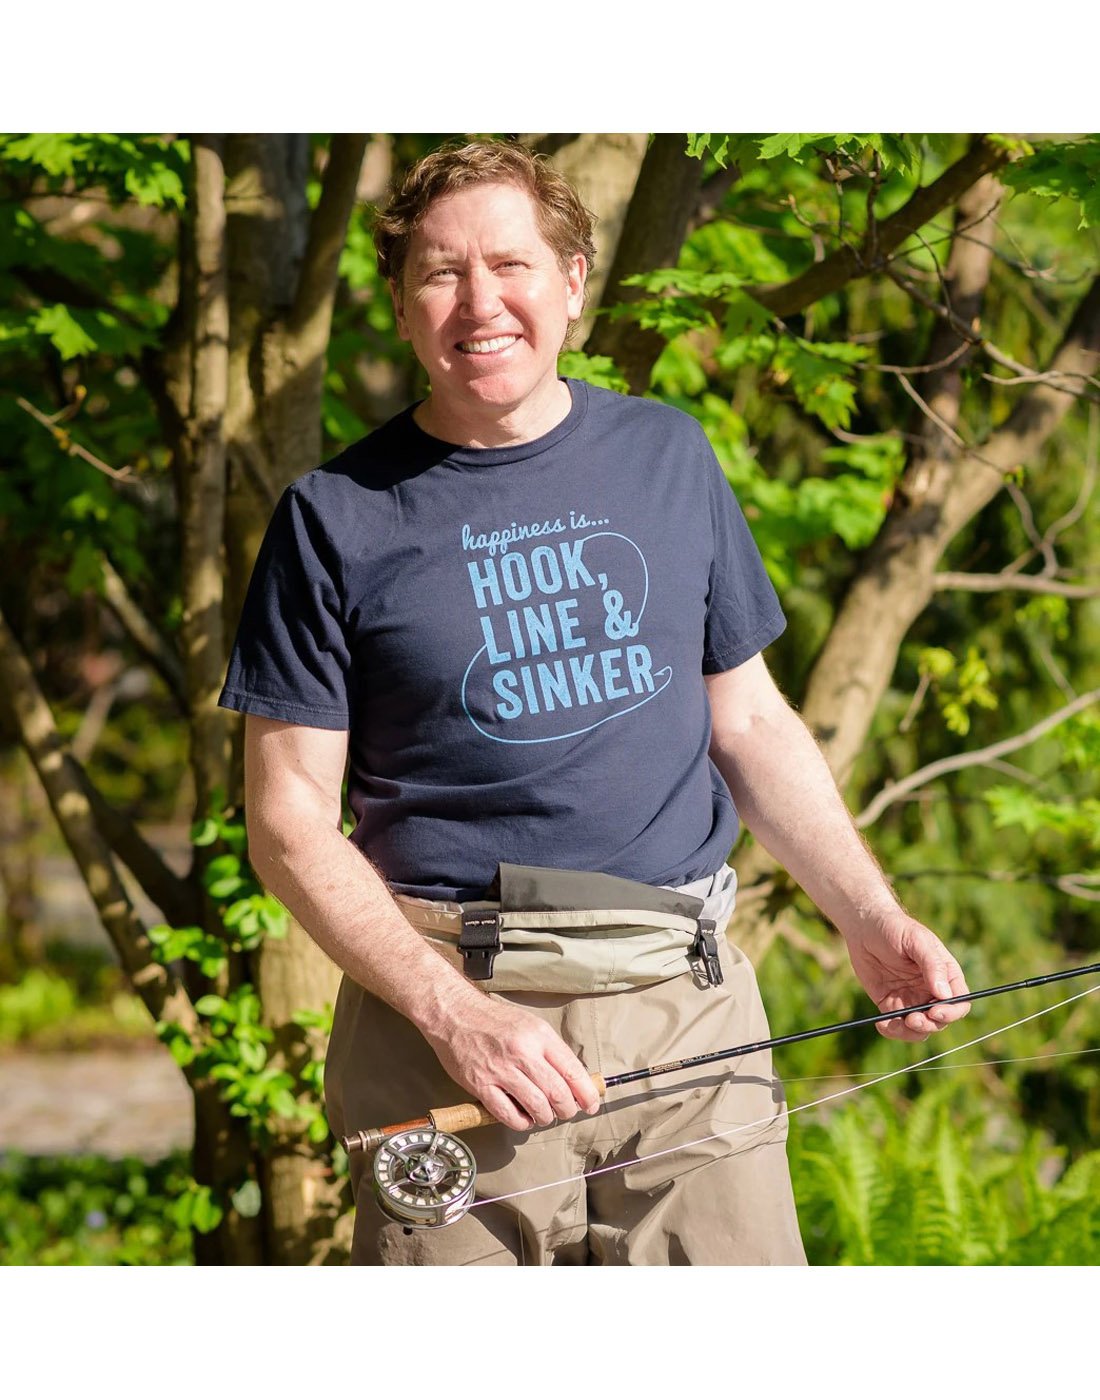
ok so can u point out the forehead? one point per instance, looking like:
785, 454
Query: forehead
484, 216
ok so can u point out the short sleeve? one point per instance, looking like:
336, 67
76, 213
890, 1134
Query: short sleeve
743, 611
291, 659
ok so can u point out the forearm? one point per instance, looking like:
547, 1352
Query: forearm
345, 906
786, 796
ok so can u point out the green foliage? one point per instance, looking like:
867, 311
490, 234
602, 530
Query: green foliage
248, 912
787, 516
1062, 170
147, 169
1079, 737
958, 686
231, 1046
232, 1050
38, 1000
197, 1208
89, 1210
1017, 806
47, 1009
885, 1181
900, 152
600, 370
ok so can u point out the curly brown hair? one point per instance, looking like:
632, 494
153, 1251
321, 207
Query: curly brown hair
563, 220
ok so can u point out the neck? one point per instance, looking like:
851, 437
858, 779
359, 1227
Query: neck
487, 426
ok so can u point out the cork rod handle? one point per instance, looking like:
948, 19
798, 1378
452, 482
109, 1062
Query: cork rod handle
461, 1116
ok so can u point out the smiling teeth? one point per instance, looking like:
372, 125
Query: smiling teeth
486, 347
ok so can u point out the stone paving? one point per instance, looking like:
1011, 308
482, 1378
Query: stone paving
108, 1102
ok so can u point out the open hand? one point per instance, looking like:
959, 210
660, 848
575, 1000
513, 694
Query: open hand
902, 963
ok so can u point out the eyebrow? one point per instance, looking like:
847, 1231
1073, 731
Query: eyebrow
432, 256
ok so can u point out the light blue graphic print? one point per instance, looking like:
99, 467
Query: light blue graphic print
564, 648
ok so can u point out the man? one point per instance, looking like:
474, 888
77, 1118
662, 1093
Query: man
537, 612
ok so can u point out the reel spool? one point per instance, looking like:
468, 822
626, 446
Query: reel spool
424, 1178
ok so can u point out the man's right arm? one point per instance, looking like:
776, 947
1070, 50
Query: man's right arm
502, 1054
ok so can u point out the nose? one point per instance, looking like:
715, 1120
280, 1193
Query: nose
481, 299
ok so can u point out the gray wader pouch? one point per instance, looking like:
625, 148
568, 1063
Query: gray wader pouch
573, 931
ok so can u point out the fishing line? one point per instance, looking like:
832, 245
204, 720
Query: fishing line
923, 1068
785, 1112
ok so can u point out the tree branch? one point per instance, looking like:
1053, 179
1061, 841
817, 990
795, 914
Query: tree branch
829, 275
1034, 416
713, 191
202, 476
311, 317
894, 792
143, 632
1077, 883
64, 784
173, 894
1027, 583
71, 448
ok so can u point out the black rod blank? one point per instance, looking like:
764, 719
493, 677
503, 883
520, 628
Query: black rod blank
651, 1073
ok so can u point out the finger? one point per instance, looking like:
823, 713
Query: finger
559, 1093
899, 1030
956, 987
583, 1092
505, 1110
530, 1099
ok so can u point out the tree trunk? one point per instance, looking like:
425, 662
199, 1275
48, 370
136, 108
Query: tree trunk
665, 199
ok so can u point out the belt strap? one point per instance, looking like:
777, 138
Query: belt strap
529, 897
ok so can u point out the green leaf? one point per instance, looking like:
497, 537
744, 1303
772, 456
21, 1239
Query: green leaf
65, 332
284, 1104
253, 1056
786, 143
206, 1213
223, 865
212, 1005
247, 1199
313, 1020
204, 833
225, 888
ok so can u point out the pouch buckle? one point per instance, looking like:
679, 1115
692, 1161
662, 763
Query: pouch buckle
705, 948
479, 942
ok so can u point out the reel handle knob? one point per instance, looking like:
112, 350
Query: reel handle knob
461, 1116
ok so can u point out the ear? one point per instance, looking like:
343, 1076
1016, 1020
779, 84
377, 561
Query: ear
575, 279
399, 310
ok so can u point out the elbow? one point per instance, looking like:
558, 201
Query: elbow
276, 836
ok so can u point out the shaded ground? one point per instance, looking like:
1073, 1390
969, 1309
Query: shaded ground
110, 1102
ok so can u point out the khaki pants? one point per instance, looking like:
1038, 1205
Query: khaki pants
727, 1201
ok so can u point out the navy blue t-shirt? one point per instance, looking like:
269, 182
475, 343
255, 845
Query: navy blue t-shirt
515, 639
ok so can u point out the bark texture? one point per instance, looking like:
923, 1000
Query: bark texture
604, 168
665, 200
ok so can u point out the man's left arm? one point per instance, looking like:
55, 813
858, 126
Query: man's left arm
786, 796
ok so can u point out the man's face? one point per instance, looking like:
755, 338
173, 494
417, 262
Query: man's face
485, 303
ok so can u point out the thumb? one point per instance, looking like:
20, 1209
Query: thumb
931, 957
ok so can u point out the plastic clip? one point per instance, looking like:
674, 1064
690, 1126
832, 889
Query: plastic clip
479, 943
705, 949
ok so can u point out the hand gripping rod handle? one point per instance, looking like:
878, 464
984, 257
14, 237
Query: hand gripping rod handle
455, 1119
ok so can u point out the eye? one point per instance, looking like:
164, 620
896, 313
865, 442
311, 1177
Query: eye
439, 273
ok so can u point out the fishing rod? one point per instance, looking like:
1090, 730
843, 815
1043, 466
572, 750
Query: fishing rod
424, 1177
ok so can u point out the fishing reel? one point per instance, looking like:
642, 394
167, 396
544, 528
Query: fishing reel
423, 1177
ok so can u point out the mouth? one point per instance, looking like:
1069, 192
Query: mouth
481, 348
